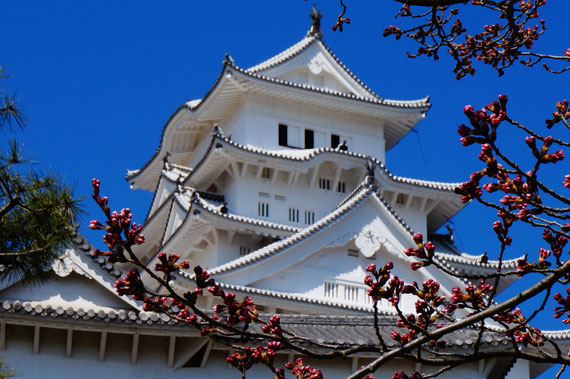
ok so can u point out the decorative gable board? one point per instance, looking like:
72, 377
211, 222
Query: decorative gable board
316, 67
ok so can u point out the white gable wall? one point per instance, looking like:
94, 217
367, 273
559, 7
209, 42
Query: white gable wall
316, 63
306, 266
72, 290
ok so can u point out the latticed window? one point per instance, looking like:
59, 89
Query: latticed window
309, 217
324, 183
263, 209
244, 250
266, 173
293, 215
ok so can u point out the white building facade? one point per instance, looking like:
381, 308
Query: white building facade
276, 182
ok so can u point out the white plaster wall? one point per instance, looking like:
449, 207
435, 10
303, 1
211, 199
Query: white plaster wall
519, 371
412, 216
51, 363
256, 124
165, 188
243, 195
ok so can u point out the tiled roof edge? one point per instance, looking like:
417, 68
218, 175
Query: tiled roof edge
421, 104
442, 186
285, 55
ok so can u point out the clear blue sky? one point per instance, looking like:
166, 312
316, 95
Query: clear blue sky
100, 79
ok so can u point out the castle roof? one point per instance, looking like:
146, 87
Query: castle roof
182, 132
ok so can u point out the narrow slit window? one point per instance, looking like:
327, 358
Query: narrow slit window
293, 215
309, 217
282, 135
341, 187
309, 139
335, 140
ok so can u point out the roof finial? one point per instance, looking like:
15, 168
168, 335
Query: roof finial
315, 29
370, 167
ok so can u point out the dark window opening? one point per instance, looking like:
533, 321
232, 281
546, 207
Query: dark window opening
335, 141
309, 139
324, 183
196, 359
282, 135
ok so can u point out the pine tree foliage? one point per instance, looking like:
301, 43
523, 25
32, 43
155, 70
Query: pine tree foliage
38, 214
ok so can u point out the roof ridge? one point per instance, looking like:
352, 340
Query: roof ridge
285, 55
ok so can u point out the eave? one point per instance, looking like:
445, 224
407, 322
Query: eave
438, 199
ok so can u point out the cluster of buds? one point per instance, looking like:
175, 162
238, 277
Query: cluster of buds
302, 371
339, 24
118, 224
428, 292
381, 285
523, 266
103, 202
168, 263
497, 44
393, 30
472, 297
131, 285
234, 312
403, 339
428, 301
562, 112
160, 304
501, 228
247, 357
529, 336
564, 306
483, 130
426, 307
542, 154
186, 316
402, 375
202, 278
510, 317
423, 251
273, 327
483, 126
556, 242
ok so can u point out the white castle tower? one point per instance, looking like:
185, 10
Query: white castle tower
276, 182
